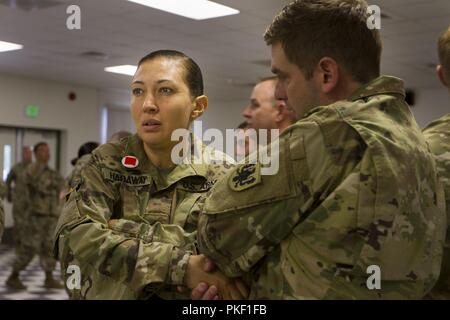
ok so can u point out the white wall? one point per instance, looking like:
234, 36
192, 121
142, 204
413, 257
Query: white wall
78, 120
224, 114
119, 120
431, 104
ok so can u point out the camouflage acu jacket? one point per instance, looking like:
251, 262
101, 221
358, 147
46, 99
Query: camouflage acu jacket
2, 189
17, 175
355, 198
2, 219
437, 134
131, 229
44, 185
73, 177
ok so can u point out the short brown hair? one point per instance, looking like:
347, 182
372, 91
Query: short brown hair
309, 30
444, 52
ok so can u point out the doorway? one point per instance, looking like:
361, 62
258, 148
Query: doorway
12, 139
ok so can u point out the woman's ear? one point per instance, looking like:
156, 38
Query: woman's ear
200, 106
328, 71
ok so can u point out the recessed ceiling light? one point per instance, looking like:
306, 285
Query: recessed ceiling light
9, 46
193, 9
125, 69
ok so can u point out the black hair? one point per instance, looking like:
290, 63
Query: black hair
37, 145
85, 148
193, 74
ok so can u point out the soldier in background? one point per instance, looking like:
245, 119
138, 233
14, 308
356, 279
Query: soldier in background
44, 186
267, 112
2, 211
18, 194
84, 155
356, 197
437, 134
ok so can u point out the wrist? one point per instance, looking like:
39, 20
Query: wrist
178, 266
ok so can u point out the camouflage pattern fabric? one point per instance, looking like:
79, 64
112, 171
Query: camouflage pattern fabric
2, 219
20, 200
437, 134
39, 241
131, 230
73, 178
44, 185
2, 189
356, 187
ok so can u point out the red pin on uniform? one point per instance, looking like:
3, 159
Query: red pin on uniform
130, 162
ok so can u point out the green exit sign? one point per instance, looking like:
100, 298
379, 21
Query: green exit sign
32, 111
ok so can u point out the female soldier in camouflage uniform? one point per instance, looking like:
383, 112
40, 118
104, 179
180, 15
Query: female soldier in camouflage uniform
128, 228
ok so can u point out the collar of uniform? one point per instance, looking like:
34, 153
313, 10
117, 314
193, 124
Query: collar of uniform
380, 85
189, 168
40, 166
135, 148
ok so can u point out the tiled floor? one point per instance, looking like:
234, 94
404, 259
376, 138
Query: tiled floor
33, 277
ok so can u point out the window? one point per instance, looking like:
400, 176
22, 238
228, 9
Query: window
7, 159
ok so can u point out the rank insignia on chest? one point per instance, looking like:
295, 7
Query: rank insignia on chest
130, 162
245, 176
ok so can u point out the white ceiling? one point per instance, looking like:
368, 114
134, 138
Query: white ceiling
227, 49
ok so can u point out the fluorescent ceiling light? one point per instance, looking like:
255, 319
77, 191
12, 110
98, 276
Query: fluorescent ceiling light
193, 9
9, 46
126, 69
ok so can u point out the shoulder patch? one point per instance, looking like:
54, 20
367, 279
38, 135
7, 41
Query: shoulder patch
245, 176
130, 162
130, 179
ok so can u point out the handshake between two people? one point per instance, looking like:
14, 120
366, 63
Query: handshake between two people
202, 277
206, 282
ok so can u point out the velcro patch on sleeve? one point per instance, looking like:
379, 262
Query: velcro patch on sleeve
245, 176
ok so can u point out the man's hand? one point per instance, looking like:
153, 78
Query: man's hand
204, 284
202, 291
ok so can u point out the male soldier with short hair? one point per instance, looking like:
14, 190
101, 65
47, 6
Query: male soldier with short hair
18, 194
266, 112
356, 188
44, 185
437, 134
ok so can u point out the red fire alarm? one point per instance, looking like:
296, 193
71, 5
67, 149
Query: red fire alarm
72, 96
